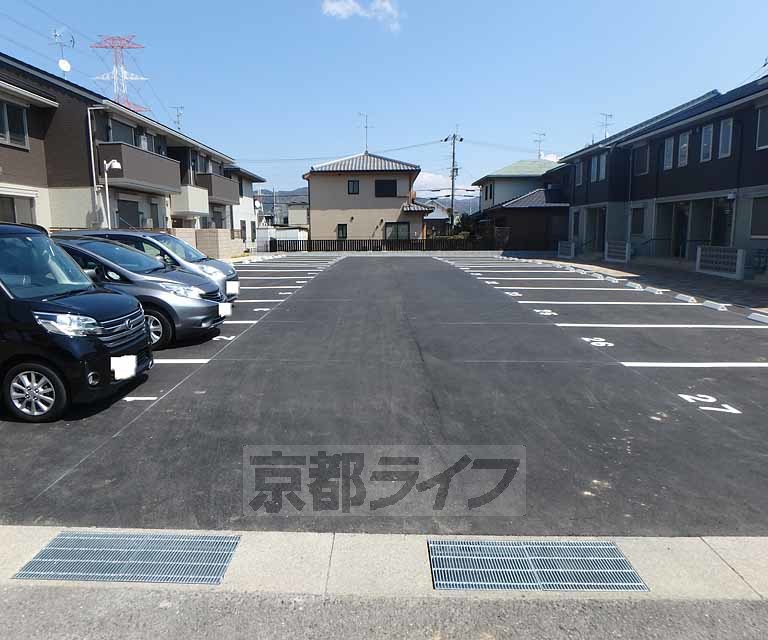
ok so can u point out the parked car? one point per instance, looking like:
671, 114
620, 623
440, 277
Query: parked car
177, 304
62, 339
175, 252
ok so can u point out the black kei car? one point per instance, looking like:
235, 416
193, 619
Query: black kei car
62, 339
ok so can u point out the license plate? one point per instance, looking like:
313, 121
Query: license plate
225, 309
124, 367
233, 288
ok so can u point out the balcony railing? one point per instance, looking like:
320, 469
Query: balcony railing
221, 190
142, 170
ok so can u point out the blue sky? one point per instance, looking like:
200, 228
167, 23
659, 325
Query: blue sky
271, 79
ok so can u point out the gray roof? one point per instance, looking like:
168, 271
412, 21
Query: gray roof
243, 172
416, 207
520, 169
538, 198
364, 162
437, 214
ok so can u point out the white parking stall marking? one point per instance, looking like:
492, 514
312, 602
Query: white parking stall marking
599, 302
182, 360
559, 278
279, 270
545, 312
224, 338
301, 281
140, 398
282, 286
276, 300
286, 293
708, 403
660, 326
270, 277
697, 365
263, 309
598, 342
240, 321
520, 271
570, 289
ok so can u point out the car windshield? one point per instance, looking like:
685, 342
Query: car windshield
180, 248
32, 267
130, 259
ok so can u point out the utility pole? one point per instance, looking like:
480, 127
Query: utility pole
606, 123
540, 135
453, 139
179, 113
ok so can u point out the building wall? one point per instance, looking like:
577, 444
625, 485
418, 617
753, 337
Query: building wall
506, 189
244, 211
364, 214
613, 188
73, 207
298, 215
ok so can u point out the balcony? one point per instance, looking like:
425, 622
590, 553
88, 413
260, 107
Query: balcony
141, 170
221, 190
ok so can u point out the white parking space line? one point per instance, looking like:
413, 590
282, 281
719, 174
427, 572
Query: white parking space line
698, 365
182, 360
599, 302
496, 278
271, 277
279, 270
241, 321
277, 300
570, 279
140, 398
573, 289
263, 309
480, 273
282, 286
659, 326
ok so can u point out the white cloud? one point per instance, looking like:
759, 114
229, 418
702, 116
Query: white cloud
428, 181
551, 156
385, 11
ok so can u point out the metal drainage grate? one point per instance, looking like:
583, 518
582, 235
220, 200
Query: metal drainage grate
482, 565
132, 557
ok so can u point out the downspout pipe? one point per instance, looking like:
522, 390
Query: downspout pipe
94, 175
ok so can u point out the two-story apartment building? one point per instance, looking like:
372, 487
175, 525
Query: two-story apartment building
56, 138
694, 175
365, 196
511, 182
244, 214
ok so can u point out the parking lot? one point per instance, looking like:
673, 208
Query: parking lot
642, 414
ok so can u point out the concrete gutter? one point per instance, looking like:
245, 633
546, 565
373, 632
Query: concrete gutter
344, 564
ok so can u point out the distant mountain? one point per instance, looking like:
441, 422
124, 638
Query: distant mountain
462, 205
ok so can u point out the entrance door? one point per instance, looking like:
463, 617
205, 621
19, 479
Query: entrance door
128, 214
7, 210
722, 222
680, 230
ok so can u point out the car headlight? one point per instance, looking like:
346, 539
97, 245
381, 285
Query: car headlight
212, 271
66, 324
181, 290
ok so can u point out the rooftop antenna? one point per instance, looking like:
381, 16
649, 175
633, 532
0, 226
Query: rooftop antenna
179, 113
63, 40
540, 135
120, 76
606, 123
366, 126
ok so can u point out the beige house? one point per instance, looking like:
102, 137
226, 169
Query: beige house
364, 197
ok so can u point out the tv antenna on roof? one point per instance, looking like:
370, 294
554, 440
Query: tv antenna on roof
61, 39
540, 135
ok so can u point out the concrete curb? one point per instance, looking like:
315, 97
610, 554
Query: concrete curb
702, 568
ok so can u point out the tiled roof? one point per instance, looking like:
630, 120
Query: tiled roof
537, 198
415, 207
364, 162
437, 215
520, 169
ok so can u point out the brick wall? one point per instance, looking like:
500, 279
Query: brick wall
188, 235
217, 243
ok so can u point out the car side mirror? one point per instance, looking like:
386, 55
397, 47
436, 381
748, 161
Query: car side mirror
92, 274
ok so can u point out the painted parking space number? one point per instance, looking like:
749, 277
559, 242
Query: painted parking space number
227, 338
598, 342
545, 312
708, 403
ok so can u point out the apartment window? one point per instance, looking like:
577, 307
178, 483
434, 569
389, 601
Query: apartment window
122, 132
253, 230
760, 218
396, 231
762, 128
202, 164
706, 143
7, 209
593, 169
13, 124
353, 187
386, 188
669, 153
640, 157
726, 138
579, 173
341, 232
638, 221
491, 189
682, 149
602, 165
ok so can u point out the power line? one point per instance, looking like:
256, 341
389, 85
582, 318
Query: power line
340, 155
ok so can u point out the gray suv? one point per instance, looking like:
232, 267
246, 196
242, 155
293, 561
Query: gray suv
177, 304
176, 253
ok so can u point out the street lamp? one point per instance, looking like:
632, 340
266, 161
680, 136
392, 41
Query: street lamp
112, 164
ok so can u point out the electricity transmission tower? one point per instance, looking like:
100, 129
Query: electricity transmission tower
120, 76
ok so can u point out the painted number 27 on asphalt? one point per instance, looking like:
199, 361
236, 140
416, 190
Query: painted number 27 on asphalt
707, 403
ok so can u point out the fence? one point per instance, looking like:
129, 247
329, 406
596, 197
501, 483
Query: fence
566, 249
426, 244
727, 262
617, 251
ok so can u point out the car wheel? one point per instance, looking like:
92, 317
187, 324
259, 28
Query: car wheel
160, 328
34, 393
